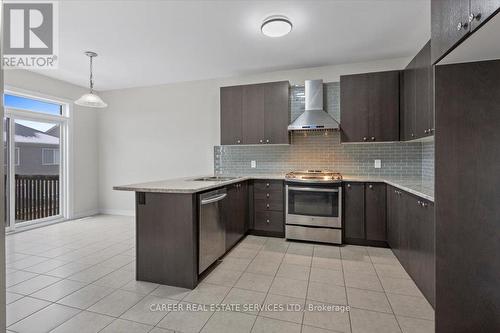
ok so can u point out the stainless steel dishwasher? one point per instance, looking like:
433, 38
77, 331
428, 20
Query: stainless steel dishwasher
212, 233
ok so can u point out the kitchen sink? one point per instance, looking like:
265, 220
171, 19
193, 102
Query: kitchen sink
214, 179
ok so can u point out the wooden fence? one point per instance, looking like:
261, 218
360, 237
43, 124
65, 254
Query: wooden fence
36, 196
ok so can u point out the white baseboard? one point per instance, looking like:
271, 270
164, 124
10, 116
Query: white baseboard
79, 215
122, 212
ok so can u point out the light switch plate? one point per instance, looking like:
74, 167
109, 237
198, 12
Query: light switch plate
377, 164
253, 164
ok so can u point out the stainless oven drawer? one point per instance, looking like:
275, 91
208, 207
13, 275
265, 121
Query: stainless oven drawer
319, 221
324, 235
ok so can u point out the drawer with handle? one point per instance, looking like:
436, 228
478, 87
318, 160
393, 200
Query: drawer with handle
269, 221
268, 185
268, 195
265, 205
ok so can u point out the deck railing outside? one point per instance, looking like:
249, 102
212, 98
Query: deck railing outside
36, 196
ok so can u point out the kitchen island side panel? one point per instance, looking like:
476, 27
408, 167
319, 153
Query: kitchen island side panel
166, 239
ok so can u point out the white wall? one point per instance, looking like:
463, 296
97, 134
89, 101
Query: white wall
85, 135
169, 131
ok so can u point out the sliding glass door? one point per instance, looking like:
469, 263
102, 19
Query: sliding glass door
35, 155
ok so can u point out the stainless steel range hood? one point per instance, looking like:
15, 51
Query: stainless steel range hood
314, 117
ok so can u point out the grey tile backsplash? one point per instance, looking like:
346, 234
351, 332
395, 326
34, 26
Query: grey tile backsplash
322, 150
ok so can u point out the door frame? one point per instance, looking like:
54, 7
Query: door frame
65, 122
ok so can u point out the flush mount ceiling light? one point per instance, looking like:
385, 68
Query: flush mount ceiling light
91, 100
276, 26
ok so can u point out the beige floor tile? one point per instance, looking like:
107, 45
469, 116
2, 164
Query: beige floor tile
355, 254
270, 256
337, 321
326, 293
289, 287
223, 277
45, 319
27, 262
12, 297
295, 272
140, 287
18, 277
84, 322
327, 276
30, 286
116, 279
22, 308
411, 306
185, 321
58, 290
310, 329
362, 281
92, 274
263, 266
143, 312
229, 322
268, 325
358, 267
282, 308
235, 264
68, 269
327, 263
278, 246
385, 259
160, 330
326, 251
412, 325
46, 266
206, 293
364, 321
116, 303
256, 282
297, 259
400, 286
85, 297
245, 298
126, 326
170, 292
244, 253
391, 271
303, 249
368, 300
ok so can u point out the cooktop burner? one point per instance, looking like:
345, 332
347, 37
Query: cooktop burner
314, 176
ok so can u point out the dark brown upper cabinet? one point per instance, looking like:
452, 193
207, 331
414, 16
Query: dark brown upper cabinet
453, 20
369, 107
255, 114
417, 118
231, 113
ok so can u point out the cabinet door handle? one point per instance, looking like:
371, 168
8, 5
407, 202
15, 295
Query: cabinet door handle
268, 221
370, 186
238, 141
267, 195
267, 141
348, 185
425, 131
473, 16
463, 25
267, 206
261, 141
373, 138
365, 138
267, 184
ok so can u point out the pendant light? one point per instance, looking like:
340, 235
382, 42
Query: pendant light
91, 100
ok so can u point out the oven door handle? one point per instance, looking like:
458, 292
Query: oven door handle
313, 189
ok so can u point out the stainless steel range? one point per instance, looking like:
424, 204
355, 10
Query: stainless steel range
314, 206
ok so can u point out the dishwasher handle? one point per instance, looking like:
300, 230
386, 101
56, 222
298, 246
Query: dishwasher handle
215, 198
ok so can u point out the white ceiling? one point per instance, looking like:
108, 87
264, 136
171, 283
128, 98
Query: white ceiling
142, 43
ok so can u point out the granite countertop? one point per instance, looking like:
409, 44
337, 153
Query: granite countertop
189, 185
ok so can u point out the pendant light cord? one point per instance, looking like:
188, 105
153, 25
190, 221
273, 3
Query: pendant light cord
91, 77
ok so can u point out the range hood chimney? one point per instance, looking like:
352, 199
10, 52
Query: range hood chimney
314, 117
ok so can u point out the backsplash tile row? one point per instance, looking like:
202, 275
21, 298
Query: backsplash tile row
322, 150
428, 161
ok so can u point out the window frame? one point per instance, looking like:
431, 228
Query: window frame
54, 150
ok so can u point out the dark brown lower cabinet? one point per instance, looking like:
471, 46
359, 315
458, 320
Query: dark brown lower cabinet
354, 211
365, 213
411, 235
235, 213
268, 208
468, 197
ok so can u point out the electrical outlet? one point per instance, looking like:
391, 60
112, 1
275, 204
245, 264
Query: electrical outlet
253, 164
377, 164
